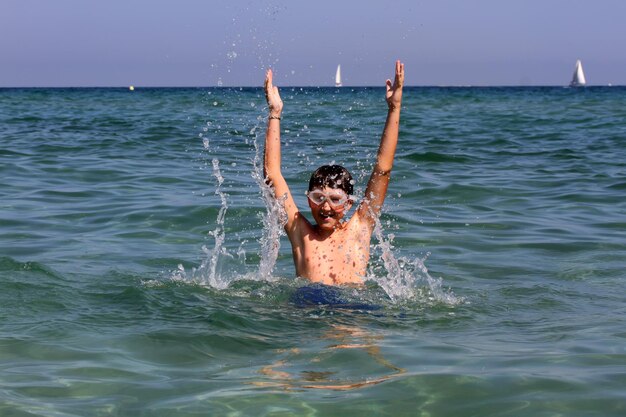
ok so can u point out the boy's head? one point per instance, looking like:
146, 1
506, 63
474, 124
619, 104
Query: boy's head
330, 195
332, 176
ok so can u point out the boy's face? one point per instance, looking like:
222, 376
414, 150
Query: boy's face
328, 206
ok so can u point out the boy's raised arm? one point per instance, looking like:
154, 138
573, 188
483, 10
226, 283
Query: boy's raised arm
271, 162
376, 189
272, 159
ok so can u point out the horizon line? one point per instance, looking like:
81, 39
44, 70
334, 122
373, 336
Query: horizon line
314, 86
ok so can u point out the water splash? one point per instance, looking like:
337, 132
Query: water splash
215, 269
404, 278
274, 218
247, 39
219, 250
209, 272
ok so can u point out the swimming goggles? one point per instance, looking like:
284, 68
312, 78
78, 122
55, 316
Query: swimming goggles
336, 198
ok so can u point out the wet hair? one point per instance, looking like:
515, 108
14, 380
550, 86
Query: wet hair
333, 176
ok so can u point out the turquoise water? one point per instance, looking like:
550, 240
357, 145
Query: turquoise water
138, 277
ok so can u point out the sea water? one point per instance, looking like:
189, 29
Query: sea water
144, 271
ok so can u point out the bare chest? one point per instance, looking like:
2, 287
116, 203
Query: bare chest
341, 258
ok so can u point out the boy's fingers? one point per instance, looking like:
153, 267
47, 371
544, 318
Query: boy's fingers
268, 77
399, 73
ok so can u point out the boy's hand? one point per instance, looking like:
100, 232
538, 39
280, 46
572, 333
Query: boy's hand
394, 92
274, 101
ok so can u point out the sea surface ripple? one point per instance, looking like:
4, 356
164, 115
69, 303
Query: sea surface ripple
505, 215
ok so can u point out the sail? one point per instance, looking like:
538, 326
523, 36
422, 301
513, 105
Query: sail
338, 77
578, 79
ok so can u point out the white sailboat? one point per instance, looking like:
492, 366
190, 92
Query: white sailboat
578, 79
338, 77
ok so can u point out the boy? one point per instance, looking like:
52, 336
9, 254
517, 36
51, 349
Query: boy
333, 251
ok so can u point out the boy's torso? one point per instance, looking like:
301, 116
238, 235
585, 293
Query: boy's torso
340, 258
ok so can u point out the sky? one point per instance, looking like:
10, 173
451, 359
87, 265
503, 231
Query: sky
58, 43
